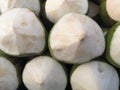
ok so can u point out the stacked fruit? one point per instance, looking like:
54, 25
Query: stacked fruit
59, 44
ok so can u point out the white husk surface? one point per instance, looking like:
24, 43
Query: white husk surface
76, 39
8, 75
113, 9
44, 73
55, 9
21, 32
6, 5
115, 46
95, 75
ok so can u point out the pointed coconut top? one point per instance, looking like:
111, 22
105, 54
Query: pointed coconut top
44, 73
6, 5
95, 75
55, 9
76, 38
21, 32
113, 9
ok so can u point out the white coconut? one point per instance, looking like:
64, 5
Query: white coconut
114, 46
8, 75
6, 5
55, 9
95, 75
44, 73
21, 32
76, 38
113, 9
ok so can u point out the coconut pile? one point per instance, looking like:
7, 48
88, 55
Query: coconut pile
59, 44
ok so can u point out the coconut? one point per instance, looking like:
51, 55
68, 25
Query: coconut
112, 7
55, 9
6, 5
95, 75
8, 75
44, 73
76, 39
21, 33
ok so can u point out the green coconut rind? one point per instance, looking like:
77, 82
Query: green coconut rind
109, 37
99, 1
105, 30
104, 15
74, 67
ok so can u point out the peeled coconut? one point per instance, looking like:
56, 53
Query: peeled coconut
6, 5
113, 9
55, 9
105, 18
76, 38
8, 75
21, 33
44, 73
95, 75
112, 45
